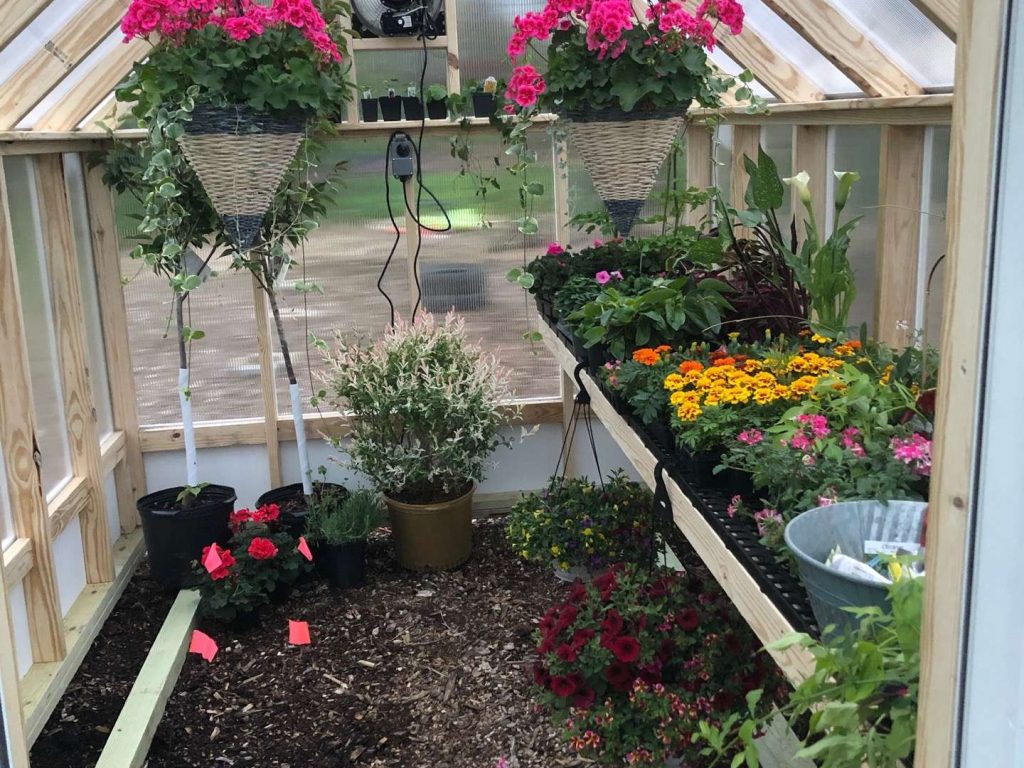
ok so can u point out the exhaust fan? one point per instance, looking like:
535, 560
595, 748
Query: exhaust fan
397, 18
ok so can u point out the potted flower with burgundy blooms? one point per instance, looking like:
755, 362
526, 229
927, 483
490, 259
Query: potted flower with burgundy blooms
622, 82
230, 93
426, 409
632, 662
256, 568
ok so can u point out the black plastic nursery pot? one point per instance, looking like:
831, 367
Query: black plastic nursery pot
292, 502
390, 108
483, 104
545, 307
344, 565
597, 356
175, 537
413, 107
371, 111
437, 109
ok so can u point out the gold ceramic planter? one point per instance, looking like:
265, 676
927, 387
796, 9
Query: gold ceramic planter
432, 537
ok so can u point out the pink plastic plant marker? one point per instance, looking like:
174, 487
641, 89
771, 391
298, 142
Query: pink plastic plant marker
203, 644
298, 632
304, 549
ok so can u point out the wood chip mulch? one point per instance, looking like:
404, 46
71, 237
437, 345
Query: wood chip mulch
78, 729
412, 671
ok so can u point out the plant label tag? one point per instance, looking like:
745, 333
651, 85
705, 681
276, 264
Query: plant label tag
212, 561
298, 632
891, 548
203, 644
304, 549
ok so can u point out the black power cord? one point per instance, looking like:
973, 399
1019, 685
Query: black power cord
428, 32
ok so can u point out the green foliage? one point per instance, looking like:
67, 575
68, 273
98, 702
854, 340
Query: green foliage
427, 408
577, 291
336, 518
575, 522
861, 701
667, 312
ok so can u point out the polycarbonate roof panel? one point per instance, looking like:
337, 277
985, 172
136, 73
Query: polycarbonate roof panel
907, 37
791, 45
78, 74
36, 35
731, 67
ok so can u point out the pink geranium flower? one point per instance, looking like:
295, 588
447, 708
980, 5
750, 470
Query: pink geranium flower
750, 436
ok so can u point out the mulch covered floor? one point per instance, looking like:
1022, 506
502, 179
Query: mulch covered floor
416, 671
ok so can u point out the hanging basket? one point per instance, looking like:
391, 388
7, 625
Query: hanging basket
623, 151
240, 157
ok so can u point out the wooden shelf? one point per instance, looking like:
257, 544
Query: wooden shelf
753, 604
396, 43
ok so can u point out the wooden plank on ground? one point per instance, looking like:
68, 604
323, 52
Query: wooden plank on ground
757, 609
21, 454
899, 233
130, 478
73, 356
45, 683
129, 741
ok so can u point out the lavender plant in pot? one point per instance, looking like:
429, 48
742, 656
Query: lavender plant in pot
339, 525
426, 410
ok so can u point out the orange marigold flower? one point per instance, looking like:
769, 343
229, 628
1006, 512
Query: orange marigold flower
646, 356
690, 365
725, 361
663, 349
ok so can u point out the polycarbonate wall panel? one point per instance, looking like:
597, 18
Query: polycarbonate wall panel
857, 148
98, 379
721, 167
465, 267
381, 70
907, 36
224, 365
790, 44
37, 317
933, 234
777, 141
484, 29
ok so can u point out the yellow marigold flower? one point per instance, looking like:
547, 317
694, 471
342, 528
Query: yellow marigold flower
843, 350
555, 550
673, 382
818, 338
691, 377
688, 412
763, 396
588, 531
887, 374
678, 397
764, 379
803, 385
712, 399
734, 335
736, 395
752, 366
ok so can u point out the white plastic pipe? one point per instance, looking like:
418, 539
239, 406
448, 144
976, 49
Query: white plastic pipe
300, 439
188, 429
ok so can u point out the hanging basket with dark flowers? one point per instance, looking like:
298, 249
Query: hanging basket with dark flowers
622, 81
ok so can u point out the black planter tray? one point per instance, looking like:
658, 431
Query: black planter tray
739, 534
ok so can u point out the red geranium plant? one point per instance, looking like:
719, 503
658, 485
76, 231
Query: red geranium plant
632, 662
259, 560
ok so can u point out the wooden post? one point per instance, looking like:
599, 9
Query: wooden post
454, 76
351, 108
699, 146
73, 354
810, 153
21, 452
977, 118
899, 233
268, 382
130, 477
14, 722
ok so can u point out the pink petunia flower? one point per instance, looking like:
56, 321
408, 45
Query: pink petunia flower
603, 277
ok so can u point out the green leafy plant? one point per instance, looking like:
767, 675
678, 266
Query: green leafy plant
436, 93
860, 703
669, 311
578, 291
260, 559
339, 519
577, 523
427, 408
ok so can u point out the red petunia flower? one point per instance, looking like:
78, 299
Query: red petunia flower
262, 549
567, 652
581, 637
619, 676
626, 648
541, 676
612, 625
688, 620
564, 686
584, 699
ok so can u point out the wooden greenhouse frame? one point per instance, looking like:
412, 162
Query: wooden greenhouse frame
67, 65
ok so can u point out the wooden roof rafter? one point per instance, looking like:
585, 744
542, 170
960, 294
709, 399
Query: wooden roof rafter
944, 14
15, 15
822, 25
55, 60
777, 73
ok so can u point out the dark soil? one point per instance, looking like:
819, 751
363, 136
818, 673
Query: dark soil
412, 671
78, 728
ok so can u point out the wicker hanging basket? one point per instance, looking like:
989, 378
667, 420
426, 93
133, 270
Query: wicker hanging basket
241, 156
623, 152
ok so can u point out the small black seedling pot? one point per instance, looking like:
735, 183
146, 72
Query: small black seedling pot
391, 108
